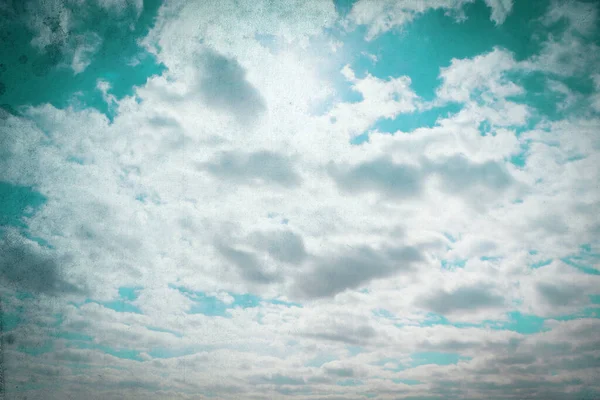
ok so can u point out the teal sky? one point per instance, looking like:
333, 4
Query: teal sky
352, 199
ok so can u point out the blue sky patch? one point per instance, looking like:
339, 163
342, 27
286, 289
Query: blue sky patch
17, 202
34, 77
432, 357
127, 354
213, 306
451, 264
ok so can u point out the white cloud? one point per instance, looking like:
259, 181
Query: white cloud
382, 16
569, 97
500, 9
564, 56
381, 99
85, 51
581, 16
291, 20
482, 76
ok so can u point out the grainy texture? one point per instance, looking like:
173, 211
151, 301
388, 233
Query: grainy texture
299, 199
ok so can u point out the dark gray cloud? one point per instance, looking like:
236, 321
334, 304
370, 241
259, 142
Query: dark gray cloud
253, 168
340, 372
163, 122
563, 295
285, 246
382, 175
516, 359
459, 174
358, 266
353, 335
29, 267
319, 380
466, 298
223, 86
247, 265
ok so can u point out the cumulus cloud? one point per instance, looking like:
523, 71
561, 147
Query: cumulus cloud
223, 85
461, 299
355, 266
456, 174
381, 98
483, 75
283, 245
248, 265
500, 9
381, 175
90, 44
346, 330
381, 16
561, 295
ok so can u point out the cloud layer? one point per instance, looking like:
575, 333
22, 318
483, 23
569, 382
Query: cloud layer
238, 206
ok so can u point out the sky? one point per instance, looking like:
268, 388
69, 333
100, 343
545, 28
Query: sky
300, 199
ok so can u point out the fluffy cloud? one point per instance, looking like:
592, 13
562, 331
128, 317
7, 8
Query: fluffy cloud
382, 16
223, 86
481, 76
500, 9
83, 53
358, 266
461, 299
